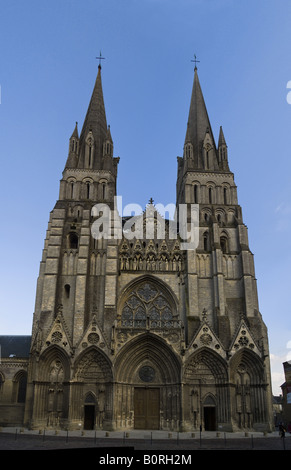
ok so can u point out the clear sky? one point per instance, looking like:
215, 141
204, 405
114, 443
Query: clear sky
48, 68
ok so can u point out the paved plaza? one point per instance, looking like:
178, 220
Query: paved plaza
24, 439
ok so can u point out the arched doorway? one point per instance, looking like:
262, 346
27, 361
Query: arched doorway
206, 400
50, 409
209, 414
89, 411
249, 389
92, 390
147, 392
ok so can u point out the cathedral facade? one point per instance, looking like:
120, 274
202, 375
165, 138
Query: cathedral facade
132, 331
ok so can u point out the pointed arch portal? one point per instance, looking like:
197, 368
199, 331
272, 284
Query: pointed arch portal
206, 395
148, 385
209, 413
89, 411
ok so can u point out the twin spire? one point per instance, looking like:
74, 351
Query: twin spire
94, 148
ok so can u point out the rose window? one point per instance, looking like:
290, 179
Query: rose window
147, 306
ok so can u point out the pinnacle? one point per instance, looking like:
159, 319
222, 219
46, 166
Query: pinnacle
75, 133
221, 139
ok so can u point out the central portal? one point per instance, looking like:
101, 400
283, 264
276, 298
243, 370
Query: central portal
146, 408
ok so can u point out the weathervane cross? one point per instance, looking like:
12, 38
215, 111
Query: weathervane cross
195, 60
100, 58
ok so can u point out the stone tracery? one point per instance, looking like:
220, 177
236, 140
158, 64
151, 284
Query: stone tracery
148, 307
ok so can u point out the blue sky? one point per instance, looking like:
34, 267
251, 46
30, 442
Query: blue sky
47, 73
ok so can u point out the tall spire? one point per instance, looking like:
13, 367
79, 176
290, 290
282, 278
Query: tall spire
95, 124
198, 126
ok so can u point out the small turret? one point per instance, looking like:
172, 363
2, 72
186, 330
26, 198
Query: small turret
108, 144
222, 152
73, 149
107, 151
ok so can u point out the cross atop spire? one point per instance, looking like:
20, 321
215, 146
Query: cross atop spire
100, 58
195, 61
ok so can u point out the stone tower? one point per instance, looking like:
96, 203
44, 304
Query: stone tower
133, 330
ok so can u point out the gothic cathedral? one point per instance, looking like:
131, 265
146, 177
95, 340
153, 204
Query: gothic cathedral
139, 332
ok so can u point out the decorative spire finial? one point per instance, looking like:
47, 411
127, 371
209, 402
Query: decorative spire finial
100, 58
195, 61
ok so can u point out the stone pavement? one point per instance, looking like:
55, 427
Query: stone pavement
150, 441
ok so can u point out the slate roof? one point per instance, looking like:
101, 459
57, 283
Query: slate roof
15, 346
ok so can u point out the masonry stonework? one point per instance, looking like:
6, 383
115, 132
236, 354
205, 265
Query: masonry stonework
141, 333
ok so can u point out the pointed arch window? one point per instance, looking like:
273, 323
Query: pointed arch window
19, 387
89, 150
195, 194
74, 145
224, 244
70, 188
90, 153
225, 198
189, 150
67, 290
102, 189
207, 152
206, 241
21, 395
73, 241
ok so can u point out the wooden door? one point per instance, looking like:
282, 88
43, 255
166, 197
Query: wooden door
147, 408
